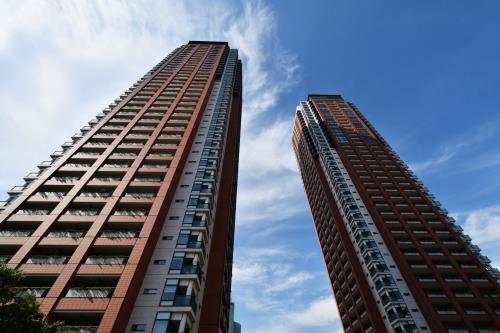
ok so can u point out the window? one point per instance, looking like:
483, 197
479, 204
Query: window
160, 262
167, 238
138, 328
150, 291
173, 218
161, 322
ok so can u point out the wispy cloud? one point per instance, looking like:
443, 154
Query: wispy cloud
273, 280
321, 313
464, 146
482, 224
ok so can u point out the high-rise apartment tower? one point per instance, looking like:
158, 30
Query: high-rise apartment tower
129, 228
396, 261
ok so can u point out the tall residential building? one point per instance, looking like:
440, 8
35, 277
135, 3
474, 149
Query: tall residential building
129, 228
396, 261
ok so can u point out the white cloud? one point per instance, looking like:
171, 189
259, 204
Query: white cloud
263, 275
321, 312
482, 225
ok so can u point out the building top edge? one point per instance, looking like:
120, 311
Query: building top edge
207, 42
324, 96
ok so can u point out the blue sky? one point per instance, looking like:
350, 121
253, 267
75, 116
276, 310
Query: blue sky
425, 73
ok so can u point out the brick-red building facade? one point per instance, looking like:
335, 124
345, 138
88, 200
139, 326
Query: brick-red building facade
396, 261
130, 226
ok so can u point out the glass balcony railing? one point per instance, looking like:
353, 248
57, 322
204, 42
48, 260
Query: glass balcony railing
81, 212
185, 300
192, 269
147, 180
15, 233
33, 211
47, 260
51, 194
78, 329
118, 234
35, 291
139, 195
90, 292
106, 179
155, 166
106, 260
95, 194
195, 245
131, 212
65, 179
44, 164
16, 189
65, 234
115, 165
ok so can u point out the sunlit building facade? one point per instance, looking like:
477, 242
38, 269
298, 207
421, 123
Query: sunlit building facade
396, 260
129, 228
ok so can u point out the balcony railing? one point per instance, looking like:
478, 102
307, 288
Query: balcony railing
90, 292
119, 234
65, 179
106, 179
195, 245
155, 166
47, 260
115, 165
81, 212
185, 300
139, 195
15, 233
106, 260
131, 212
65, 234
95, 194
78, 329
147, 180
33, 211
35, 291
192, 269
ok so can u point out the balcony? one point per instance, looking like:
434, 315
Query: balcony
31, 176
16, 190
78, 329
173, 299
81, 212
47, 260
142, 179
65, 234
118, 234
44, 165
90, 292
33, 211
55, 155
15, 233
64, 180
130, 212
35, 291
106, 179
106, 260
95, 194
